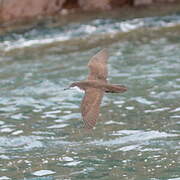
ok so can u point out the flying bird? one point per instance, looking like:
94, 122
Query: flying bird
95, 87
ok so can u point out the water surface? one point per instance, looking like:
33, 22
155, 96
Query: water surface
137, 134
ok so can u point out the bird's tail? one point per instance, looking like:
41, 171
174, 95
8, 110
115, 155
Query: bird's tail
115, 88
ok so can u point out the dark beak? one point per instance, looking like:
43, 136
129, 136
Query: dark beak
66, 88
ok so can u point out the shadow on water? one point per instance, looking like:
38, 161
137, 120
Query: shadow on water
137, 135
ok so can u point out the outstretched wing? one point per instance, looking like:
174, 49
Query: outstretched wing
90, 106
98, 66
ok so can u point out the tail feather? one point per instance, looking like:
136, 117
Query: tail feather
115, 89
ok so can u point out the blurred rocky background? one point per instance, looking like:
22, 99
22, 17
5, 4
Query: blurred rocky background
13, 10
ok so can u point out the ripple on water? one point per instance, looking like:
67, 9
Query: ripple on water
4, 178
157, 110
4, 157
2, 122
6, 130
57, 126
118, 102
129, 107
19, 116
69, 117
21, 142
175, 117
114, 122
52, 112
176, 110
142, 100
9, 109
43, 172
167, 95
136, 137
74, 163
18, 132
68, 161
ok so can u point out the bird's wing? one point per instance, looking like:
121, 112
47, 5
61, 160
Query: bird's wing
90, 106
98, 66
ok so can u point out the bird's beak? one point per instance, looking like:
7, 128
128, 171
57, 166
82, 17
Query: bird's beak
66, 88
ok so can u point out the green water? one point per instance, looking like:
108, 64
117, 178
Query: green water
137, 134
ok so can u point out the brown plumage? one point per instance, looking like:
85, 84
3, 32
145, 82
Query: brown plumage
95, 86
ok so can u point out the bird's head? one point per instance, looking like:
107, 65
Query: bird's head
74, 84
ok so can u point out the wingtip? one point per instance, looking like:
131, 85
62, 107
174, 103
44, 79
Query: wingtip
102, 54
103, 51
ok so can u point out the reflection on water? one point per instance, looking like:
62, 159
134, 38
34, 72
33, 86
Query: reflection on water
137, 135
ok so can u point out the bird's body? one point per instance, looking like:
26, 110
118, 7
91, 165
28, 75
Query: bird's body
95, 86
105, 87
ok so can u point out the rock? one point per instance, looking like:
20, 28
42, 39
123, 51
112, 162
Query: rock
12, 10
120, 3
164, 1
64, 12
15, 9
142, 2
94, 4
